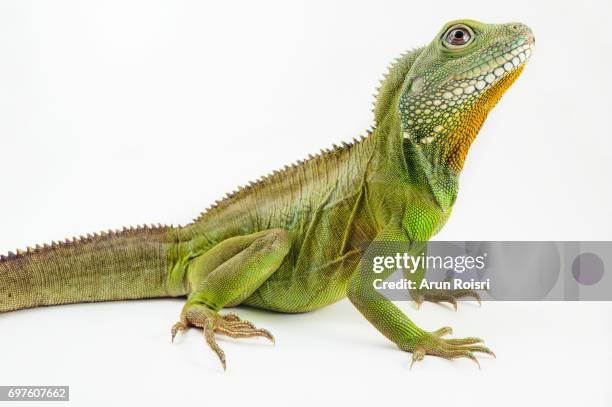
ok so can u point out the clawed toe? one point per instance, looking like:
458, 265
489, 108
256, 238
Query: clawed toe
244, 332
178, 327
417, 355
447, 330
433, 344
209, 336
463, 341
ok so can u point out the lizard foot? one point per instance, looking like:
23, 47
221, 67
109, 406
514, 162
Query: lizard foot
440, 296
212, 322
432, 343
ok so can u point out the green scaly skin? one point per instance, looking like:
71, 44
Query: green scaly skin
292, 241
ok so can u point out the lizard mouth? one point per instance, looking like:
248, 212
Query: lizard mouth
499, 62
495, 66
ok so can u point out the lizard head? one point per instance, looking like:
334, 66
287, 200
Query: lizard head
455, 81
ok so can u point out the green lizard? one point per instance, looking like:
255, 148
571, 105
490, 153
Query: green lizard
292, 241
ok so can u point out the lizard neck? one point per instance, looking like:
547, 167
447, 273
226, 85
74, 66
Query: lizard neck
424, 169
421, 166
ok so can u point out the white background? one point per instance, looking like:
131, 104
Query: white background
124, 112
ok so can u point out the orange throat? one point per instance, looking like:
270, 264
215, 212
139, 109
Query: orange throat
471, 119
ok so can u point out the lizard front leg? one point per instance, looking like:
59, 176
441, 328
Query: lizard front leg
226, 275
393, 323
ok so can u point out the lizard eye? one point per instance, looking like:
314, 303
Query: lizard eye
458, 36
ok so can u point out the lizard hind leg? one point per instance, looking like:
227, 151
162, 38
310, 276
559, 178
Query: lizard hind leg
225, 276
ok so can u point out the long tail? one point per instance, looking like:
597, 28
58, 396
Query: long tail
129, 264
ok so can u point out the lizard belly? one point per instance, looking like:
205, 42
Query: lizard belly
293, 289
